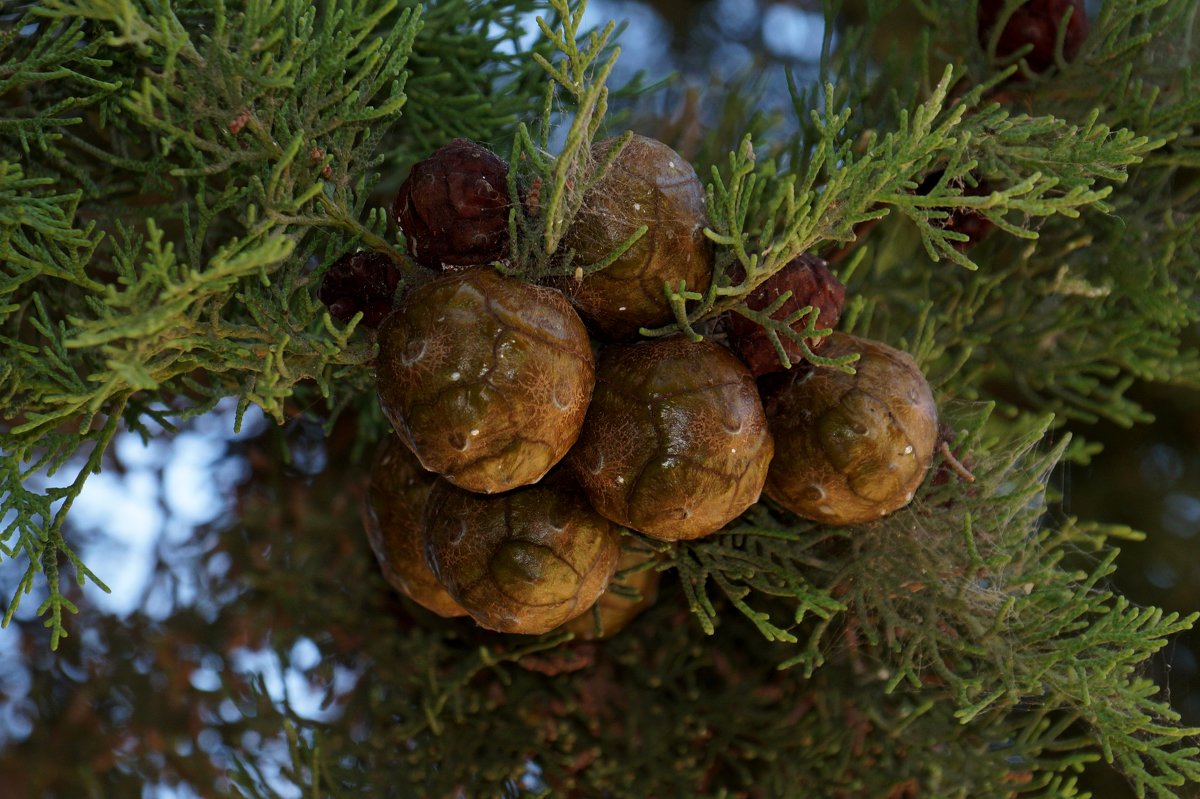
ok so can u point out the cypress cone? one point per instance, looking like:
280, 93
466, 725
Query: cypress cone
453, 207
811, 283
360, 281
1036, 23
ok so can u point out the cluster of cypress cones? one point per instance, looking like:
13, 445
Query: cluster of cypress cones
520, 452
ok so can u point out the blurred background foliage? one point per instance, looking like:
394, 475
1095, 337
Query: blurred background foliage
205, 672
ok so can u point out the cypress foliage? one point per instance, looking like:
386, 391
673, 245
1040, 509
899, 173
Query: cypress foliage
176, 177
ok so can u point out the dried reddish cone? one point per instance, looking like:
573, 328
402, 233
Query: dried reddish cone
811, 283
360, 281
1035, 23
395, 526
522, 562
971, 223
616, 610
485, 377
453, 207
675, 444
851, 448
648, 184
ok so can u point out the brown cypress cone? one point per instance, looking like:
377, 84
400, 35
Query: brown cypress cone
850, 449
963, 220
1035, 23
617, 610
524, 561
453, 207
394, 518
486, 378
648, 184
675, 443
811, 283
360, 281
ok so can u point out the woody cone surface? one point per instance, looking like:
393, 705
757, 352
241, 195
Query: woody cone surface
851, 448
811, 283
616, 611
395, 527
485, 377
361, 281
675, 443
522, 562
1036, 23
453, 207
648, 184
